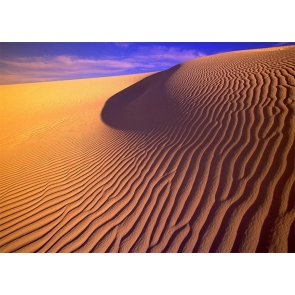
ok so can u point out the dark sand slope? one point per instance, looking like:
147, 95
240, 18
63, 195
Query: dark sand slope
198, 158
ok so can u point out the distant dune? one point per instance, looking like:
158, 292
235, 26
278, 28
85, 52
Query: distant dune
197, 158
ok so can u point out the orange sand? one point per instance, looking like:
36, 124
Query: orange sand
198, 158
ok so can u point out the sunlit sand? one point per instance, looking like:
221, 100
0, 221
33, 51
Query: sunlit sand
197, 158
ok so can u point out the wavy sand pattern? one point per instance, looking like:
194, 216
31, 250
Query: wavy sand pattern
198, 158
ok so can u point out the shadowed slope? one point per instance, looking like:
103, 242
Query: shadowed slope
198, 158
140, 106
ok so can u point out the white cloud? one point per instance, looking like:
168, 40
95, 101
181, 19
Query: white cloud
167, 53
283, 44
46, 68
122, 44
22, 70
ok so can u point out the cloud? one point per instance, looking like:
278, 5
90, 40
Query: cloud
36, 69
122, 44
283, 44
164, 53
61, 67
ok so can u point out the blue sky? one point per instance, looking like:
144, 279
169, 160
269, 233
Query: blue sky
36, 62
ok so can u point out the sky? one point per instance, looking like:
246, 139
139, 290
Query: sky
38, 62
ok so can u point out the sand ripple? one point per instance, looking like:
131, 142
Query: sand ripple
198, 158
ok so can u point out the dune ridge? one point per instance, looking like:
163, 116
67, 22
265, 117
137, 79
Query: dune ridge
197, 158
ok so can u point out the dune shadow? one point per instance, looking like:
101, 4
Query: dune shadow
140, 106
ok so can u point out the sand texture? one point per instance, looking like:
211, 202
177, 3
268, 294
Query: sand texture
197, 158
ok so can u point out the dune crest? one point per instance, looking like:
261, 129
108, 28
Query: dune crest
197, 158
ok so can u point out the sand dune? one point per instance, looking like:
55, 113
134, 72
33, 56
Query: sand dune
197, 158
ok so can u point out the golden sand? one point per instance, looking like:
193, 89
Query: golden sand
197, 158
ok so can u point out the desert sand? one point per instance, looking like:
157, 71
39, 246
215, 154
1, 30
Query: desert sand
197, 158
